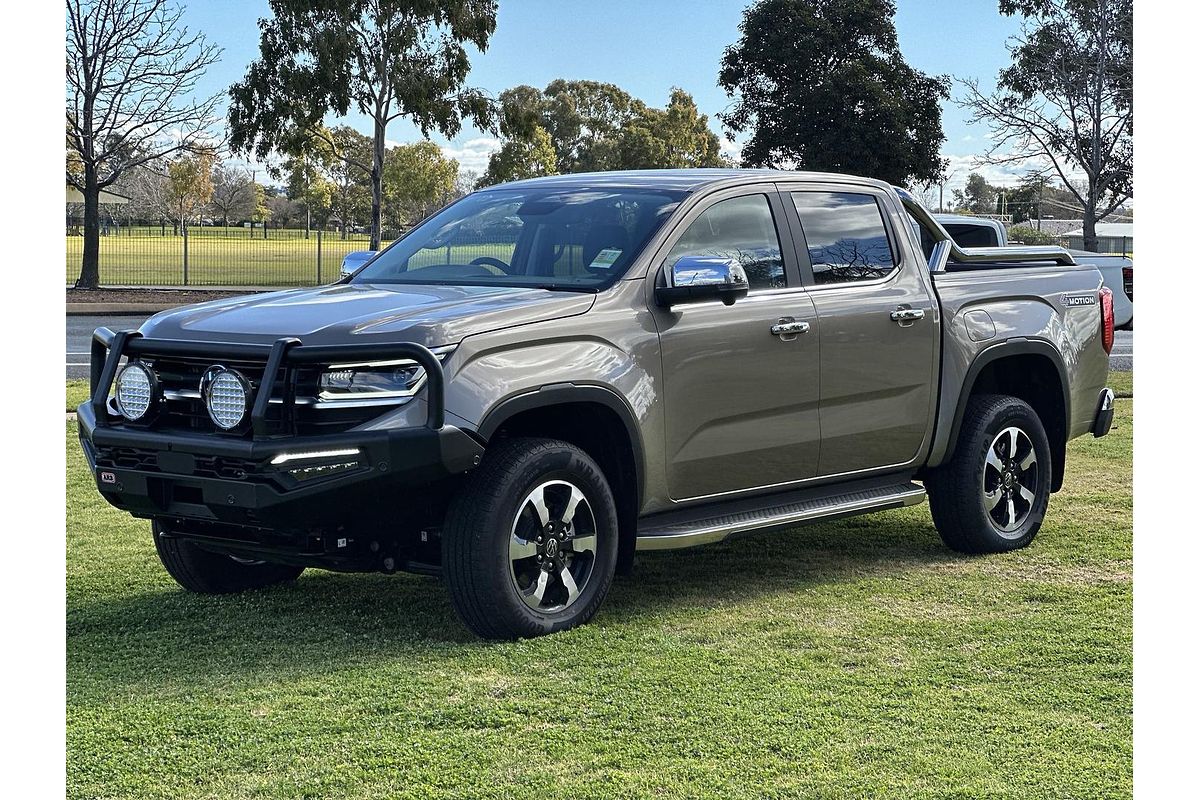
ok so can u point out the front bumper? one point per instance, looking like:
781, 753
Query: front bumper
267, 478
1103, 420
204, 477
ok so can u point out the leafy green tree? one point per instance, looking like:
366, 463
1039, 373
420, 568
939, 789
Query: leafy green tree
529, 157
977, 196
676, 137
1067, 100
386, 59
583, 126
190, 185
306, 182
418, 180
822, 85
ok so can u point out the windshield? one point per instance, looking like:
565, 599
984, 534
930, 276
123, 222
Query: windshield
553, 238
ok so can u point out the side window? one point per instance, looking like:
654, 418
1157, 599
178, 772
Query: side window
846, 237
741, 228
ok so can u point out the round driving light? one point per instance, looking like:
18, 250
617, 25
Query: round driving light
226, 395
135, 390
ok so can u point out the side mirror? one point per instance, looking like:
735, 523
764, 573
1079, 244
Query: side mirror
354, 260
699, 279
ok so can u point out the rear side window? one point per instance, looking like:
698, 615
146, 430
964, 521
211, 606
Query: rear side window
973, 235
741, 228
846, 237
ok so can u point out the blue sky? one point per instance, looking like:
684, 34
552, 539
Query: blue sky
646, 47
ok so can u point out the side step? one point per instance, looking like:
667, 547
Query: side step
715, 522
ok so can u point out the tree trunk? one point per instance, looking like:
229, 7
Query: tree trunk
89, 273
377, 182
1090, 241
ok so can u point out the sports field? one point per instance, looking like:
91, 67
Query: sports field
216, 257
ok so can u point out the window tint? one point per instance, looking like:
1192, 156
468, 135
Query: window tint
741, 228
965, 235
845, 234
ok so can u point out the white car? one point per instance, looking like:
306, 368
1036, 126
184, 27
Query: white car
1117, 271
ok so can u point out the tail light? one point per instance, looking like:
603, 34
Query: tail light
1106, 318
1127, 279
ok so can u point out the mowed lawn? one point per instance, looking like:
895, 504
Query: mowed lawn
850, 659
217, 258
285, 258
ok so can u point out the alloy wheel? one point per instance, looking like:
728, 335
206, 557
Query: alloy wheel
1010, 481
552, 547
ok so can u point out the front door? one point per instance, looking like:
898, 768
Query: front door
741, 402
878, 330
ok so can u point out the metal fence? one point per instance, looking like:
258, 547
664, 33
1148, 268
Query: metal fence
161, 254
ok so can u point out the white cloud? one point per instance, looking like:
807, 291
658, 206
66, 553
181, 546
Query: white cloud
961, 166
732, 150
473, 154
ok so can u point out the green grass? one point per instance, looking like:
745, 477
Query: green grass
849, 659
233, 260
284, 259
77, 394
1121, 383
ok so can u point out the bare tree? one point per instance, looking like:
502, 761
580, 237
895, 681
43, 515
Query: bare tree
1067, 100
233, 193
131, 70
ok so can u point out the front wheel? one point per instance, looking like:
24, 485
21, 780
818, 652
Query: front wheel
993, 493
530, 541
204, 572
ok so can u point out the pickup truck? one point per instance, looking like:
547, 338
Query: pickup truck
548, 376
1117, 271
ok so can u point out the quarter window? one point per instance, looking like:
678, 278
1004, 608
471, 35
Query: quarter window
846, 237
741, 228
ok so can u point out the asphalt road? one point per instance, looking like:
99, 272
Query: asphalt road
79, 338
1121, 357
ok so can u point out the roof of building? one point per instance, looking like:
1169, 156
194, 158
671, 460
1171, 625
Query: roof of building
1113, 230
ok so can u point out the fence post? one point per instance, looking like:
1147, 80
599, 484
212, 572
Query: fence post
183, 227
318, 256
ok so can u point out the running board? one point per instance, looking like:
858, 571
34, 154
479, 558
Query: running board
717, 522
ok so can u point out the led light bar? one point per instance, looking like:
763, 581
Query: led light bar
284, 458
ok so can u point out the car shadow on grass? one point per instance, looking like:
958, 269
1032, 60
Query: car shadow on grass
325, 620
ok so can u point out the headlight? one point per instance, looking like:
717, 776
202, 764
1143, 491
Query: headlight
136, 388
395, 379
226, 395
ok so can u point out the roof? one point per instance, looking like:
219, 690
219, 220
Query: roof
964, 219
686, 180
1113, 230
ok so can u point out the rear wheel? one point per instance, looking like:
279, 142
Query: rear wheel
992, 495
205, 572
530, 541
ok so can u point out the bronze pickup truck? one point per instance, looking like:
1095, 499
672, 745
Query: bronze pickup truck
548, 376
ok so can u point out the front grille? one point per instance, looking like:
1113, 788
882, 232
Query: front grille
143, 460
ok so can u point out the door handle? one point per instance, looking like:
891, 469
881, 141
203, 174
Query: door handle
908, 314
784, 328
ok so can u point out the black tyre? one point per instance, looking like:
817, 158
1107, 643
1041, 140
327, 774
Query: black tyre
204, 572
992, 495
530, 541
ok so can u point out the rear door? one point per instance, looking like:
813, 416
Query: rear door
878, 327
741, 402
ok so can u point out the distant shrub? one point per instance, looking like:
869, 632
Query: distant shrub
1024, 234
